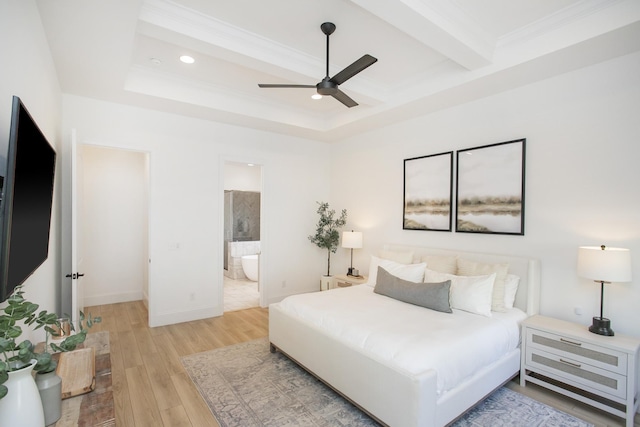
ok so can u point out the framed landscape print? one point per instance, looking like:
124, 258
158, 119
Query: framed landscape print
490, 188
428, 188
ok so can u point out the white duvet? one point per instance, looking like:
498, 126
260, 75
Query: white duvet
409, 337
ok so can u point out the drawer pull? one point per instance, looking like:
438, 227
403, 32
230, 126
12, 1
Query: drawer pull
575, 365
571, 342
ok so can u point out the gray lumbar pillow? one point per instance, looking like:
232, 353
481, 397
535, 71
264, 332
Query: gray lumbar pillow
434, 296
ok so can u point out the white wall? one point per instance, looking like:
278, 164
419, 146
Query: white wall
240, 176
28, 72
186, 159
582, 173
113, 225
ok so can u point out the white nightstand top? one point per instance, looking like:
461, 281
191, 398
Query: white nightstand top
353, 279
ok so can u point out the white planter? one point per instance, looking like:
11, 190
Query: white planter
22, 405
325, 282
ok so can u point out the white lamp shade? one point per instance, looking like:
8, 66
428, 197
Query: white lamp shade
352, 239
606, 265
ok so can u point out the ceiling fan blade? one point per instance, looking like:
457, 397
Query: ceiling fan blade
284, 85
344, 98
353, 69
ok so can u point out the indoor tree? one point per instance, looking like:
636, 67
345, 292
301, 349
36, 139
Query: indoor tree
327, 235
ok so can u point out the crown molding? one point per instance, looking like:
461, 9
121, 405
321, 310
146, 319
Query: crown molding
559, 20
194, 24
165, 85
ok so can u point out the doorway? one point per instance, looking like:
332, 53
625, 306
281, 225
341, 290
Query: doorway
242, 237
114, 227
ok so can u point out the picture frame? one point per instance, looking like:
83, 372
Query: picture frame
490, 188
428, 193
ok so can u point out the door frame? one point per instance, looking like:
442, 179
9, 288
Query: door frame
67, 303
264, 255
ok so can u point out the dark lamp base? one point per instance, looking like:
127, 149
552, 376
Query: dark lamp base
601, 326
350, 271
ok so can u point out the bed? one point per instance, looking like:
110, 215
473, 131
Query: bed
397, 361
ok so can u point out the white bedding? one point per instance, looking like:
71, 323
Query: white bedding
454, 345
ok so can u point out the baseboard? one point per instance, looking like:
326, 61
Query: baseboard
171, 318
112, 298
162, 319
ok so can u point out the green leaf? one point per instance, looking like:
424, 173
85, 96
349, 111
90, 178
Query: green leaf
16, 298
31, 308
3, 391
26, 344
71, 342
5, 344
45, 363
13, 332
56, 347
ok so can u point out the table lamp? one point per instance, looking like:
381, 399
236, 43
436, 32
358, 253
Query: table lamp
352, 240
605, 265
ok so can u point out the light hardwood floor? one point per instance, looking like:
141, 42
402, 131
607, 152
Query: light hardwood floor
151, 388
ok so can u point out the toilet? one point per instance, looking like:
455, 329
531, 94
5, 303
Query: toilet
250, 267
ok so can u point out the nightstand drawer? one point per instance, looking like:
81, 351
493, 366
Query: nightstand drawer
584, 353
577, 373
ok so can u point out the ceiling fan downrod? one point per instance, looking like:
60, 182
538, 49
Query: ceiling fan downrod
328, 28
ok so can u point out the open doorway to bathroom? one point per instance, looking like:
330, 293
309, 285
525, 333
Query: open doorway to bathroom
241, 254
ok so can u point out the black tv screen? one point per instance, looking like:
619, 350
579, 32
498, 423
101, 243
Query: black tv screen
26, 202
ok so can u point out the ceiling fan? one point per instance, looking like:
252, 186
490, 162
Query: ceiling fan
329, 85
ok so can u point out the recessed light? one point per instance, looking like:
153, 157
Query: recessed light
250, 164
316, 96
187, 59
155, 61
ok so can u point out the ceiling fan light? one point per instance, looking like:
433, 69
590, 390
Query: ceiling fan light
316, 96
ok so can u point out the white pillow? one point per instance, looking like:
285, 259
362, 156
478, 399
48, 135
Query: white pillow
468, 293
510, 288
472, 268
397, 256
441, 263
410, 272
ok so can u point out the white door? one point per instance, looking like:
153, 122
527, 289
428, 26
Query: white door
77, 294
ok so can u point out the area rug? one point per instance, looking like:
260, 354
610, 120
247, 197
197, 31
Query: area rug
245, 385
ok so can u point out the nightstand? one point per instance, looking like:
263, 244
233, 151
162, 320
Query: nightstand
598, 370
344, 281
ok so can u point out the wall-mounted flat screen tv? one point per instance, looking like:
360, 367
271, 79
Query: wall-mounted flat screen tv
27, 198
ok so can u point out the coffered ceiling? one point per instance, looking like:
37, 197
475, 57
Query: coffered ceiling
432, 54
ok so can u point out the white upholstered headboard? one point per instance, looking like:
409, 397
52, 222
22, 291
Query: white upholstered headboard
528, 269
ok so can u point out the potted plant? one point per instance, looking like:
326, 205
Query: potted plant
18, 356
327, 235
